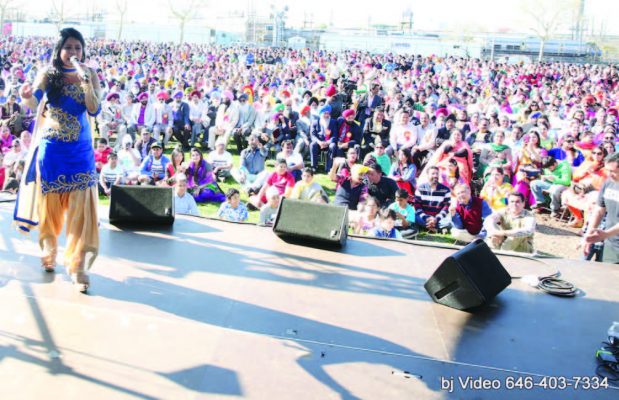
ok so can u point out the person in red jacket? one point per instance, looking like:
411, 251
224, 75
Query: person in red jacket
467, 214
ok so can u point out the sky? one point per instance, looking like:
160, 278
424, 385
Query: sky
454, 15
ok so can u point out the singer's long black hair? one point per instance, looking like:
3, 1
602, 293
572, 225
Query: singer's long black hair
55, 75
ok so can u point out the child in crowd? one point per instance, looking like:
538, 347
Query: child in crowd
386, 226
268, 212
232, 209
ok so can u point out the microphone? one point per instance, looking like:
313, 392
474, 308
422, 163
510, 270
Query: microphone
78, 68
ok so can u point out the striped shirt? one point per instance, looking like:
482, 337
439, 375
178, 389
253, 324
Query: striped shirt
434, 203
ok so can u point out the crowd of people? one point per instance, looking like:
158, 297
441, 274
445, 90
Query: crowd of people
412, 143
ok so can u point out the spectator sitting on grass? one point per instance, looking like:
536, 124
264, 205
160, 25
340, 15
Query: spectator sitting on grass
386, 225
308, 190
467, 214
111, 174
367, 217
184, 203
154, 165
268, 212
232, 209
221, 160
281, 179
293, 159
511, 228
251, 173
405, 215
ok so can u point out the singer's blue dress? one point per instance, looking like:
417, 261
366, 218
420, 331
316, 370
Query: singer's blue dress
65, 156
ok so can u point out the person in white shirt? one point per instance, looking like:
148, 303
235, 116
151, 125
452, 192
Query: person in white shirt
129, 159
142, 115
111, 174
16, 154
403, 134
163, 118
196, 110
293, 159
221, 160
226, 119
184, 203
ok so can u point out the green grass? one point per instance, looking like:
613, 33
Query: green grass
210, 209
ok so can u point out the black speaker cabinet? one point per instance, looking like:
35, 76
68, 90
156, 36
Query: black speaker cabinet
469, 278
315, 224
142, 205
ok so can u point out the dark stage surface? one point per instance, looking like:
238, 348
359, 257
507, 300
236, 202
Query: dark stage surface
217, 310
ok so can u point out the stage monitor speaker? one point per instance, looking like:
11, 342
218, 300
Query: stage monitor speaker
469, 278
315, 224
152, 205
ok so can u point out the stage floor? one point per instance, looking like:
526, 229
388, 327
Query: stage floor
210, 309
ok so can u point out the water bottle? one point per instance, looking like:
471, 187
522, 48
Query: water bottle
613, 334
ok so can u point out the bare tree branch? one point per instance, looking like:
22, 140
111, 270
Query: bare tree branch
121, 7
185, 14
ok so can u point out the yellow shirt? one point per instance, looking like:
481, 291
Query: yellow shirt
495, 196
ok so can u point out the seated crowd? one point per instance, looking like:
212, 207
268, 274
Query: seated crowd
410, 143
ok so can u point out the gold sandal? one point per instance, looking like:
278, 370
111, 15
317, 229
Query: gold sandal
80, 280
48, 267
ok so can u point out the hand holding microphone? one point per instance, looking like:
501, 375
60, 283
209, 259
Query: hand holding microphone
81, 72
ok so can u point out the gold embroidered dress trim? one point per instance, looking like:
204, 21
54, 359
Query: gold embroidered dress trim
63, 184
63, 126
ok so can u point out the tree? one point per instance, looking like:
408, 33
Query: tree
546, 17
185, 12
121, 7
58, 14
5, 5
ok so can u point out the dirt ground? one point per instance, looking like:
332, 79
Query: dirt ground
554, 237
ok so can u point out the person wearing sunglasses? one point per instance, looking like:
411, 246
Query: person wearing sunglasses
567, 152
587, 180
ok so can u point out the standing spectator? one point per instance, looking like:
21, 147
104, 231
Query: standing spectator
607, 205
183, 202
557, 177
467, 215
511, 228
432, 203
232, 209
196, 113
225, 121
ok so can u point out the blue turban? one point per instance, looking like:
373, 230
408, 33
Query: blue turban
325, 109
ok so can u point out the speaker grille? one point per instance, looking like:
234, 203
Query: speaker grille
142, 204
307, 221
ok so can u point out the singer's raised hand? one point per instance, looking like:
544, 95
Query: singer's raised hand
25, 92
